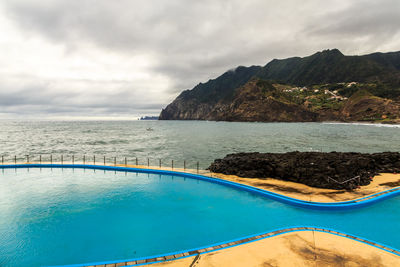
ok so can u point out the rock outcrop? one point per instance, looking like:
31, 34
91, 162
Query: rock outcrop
363, 106
334, 170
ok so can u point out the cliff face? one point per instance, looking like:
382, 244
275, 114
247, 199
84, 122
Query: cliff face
247, 93
181, 109
363, 106
195, 104
253, 103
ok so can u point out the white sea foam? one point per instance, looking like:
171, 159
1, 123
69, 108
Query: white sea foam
365, 124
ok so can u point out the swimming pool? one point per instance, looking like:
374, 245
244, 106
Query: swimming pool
57, 216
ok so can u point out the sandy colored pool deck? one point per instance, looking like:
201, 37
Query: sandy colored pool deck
306, 248
379, 183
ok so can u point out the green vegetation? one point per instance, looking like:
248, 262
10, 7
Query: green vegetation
331, 66
384, 90
377, 89
315, 98
221, 88
265, 86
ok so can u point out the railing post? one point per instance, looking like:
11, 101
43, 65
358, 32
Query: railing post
115, 161
73, 159
84, 159
40, 159
197, 167
126, 163
2, 159
184, 165
94, 159
160, 163
148, 162
27, 158
15, 159
172, 164
136, 160
62, 159
104, 160
51, 159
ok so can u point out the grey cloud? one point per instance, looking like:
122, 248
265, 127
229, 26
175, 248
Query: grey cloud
193, 41
363, 25
41, 98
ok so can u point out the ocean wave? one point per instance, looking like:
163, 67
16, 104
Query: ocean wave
365, 124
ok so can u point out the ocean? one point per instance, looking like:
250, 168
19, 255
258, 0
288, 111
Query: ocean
190, 141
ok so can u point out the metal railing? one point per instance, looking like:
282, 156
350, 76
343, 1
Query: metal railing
102, 160
346, 181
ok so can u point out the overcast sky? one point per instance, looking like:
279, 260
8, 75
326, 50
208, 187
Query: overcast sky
127, 58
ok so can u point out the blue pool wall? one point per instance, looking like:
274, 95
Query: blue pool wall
358, 203
341, 234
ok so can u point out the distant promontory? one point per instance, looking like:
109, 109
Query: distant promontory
326, 86
148, 118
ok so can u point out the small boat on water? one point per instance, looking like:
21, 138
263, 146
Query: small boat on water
149, 129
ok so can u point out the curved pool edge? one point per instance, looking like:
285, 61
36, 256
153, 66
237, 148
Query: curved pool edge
341, 205
229, 244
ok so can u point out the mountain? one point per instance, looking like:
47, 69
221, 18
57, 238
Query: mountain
330, 66
195, 104
239, 95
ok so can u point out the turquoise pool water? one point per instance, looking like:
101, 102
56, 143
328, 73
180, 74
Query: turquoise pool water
66, 216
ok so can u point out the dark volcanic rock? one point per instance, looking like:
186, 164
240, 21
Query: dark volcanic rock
334, 170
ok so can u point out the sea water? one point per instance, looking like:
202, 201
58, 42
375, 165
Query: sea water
193, 141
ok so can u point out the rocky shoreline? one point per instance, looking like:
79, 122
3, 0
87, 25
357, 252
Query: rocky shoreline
333, 170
